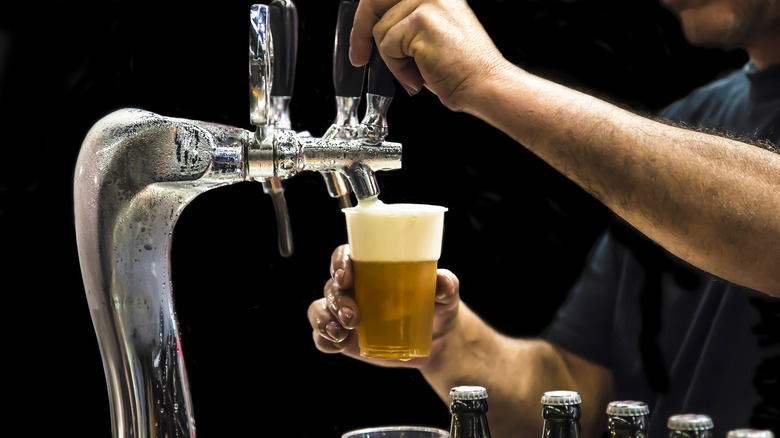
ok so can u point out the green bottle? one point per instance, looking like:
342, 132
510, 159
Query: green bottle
690, 426
561, 412
628, 419
468, 406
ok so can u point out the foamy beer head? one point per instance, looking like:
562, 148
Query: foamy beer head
395, 232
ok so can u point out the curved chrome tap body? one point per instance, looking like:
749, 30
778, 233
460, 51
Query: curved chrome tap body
135, 174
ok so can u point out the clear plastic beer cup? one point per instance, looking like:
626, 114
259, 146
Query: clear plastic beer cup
398, 432
395, 249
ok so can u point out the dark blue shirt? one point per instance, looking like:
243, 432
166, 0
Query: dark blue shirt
745, 103
678, 338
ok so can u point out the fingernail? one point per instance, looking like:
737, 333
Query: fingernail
411, 90
338, 276
345, 315
333, 330
352, 58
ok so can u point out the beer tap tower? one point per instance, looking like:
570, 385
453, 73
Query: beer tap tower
137, 171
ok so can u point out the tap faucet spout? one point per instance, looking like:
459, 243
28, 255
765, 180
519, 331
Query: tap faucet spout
357, 159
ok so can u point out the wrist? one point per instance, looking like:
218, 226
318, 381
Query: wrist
461, 353
443, 346
490, 88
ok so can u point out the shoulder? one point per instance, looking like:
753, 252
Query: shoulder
706, 101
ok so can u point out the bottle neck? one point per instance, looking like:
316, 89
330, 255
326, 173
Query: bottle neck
628, 426
562, 421
469, 419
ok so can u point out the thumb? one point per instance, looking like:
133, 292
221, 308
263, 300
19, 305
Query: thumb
447, 287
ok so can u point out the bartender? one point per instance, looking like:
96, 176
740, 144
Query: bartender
678, 303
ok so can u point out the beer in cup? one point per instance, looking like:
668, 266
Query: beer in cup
395, 249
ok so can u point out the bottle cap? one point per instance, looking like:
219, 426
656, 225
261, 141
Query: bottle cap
628, 408
689, 422
561, 398
468, 393
750, 433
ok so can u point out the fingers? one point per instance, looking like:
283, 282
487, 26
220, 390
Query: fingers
394, 26
341, 304
328, 332
361, 40
398, 48
341, 267
329, 336
438, 44
334, 317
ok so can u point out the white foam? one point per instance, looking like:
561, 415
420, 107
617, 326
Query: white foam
394, 232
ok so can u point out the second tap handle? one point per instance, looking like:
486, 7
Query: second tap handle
283, 18
347, 79
381, 88
259, 65
380, 79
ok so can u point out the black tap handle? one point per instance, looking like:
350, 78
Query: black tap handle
380, 80
347, 79
283, 18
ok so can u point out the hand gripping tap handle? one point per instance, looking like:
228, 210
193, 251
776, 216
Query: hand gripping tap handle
260, 72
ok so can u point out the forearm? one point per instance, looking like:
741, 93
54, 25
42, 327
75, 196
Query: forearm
516, 372
711, 201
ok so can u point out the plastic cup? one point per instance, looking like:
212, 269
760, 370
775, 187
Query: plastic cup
395, 250
398, 432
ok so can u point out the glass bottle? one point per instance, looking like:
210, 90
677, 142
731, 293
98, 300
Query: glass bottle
628, 419
561, 412
690, 426
468, 406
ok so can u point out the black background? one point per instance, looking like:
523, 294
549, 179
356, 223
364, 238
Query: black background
516, 232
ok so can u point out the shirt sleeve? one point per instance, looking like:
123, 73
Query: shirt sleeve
584, 323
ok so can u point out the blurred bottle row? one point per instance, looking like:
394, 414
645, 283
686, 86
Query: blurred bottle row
561, 412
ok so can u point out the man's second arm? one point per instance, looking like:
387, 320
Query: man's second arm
710, 200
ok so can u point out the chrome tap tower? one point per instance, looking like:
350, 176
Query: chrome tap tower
137, 171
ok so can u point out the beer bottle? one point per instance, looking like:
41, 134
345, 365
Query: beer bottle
690, 426
628, 419
561, 412
468, 406
750, 433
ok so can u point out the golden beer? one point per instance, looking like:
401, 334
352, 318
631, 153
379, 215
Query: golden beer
396, 302
394, 250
